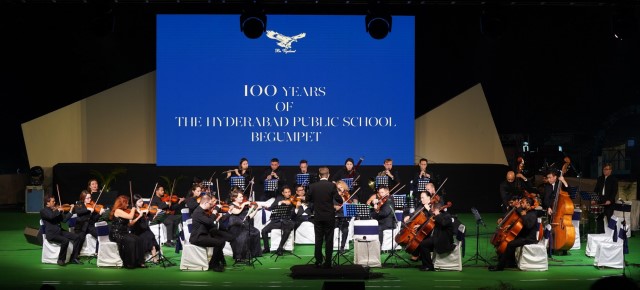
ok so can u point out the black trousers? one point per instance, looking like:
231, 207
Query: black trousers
324, 233
607, 212
285, 225
63, 240
172, 222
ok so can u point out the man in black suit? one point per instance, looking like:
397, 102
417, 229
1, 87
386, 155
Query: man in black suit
205, 232
286, 225
304, 209
274, 172
325, 198
607, 190
526, 236
383, 211
52, 216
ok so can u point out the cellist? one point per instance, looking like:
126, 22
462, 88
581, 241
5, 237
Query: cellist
441, 240
527, 234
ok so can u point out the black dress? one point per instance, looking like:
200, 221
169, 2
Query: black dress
130, 246
246, 244
142, 230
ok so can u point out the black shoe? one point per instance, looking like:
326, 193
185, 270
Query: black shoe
266, 251
341, 251
280, 252
75, 261
170, 244
425, 268
61, 263
218, 268
495, 268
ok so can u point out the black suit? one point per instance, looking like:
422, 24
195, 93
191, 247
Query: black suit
85, 221
610, 186
282, 181
526, 236
286, 225
385, 217
171, 221
324, 194
441, 241
52, 220
303, 214
205, 233
550, 194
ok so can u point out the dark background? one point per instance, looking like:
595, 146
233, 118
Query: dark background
553, 72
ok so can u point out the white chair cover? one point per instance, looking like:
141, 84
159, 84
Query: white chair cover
532, 257
262, 218
609, 254
451, 261
108, 254
367, 252
365, 230
305, 234
576, 225
160, 232
593, 240
193, 258
388, 239
89, 246
337, 239
276, 236
50, 251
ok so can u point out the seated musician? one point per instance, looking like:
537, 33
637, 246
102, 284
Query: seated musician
205, 232
192, 202
425, 201
286, 225
304, 210
441, 240
342, 222
172, 210
526, 236
383, 211
86, 215
140, 227
130, 246
513, 188
246, 243
53, 216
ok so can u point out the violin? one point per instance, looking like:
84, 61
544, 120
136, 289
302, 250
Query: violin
169, 198
96, 207
65, 207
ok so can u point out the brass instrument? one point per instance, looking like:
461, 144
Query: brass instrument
382, 173
372, 184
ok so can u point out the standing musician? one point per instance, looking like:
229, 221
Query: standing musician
392, 174
130, 246
172, 210
92, 186
526, 236
607, 189
553, 181
304, 209
324, 196
246, 244
303, 168
140, 227
86, 214
441, 239
284, 199
423, 174
52, 217
383, 210
342, 222
242, 170
205, 232
273, 172
513, 188
349, 171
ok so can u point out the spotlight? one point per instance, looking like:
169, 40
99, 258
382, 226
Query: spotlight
378, 24
253, 24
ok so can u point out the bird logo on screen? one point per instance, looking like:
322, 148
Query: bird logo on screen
284, 41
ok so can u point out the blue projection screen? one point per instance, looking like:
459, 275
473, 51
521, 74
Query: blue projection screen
311, 87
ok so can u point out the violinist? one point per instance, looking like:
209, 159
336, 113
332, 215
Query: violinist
349, 171
140, 227
242, 170
206, 232
247, 237
274, 172
383, 210
422, 175
87, 215
304, 209
192, 201
393, 177
441, 240
130, 246
526, 236
52, 217
342, 222
513, 188
607, 189
163, 202
286, 225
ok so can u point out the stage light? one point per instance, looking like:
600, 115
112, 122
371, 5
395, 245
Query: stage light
253, 23
378, 24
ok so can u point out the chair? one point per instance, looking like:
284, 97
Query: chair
576, 225
89, 246
609, 248
108, 253
533, 257
159, 230
451, 261
305, 234
593, 240
71, 223
388, 236
262, 218
366, 244
194, 258
50, 251
276, 236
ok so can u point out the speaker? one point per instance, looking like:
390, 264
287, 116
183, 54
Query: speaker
351, 285
33, 236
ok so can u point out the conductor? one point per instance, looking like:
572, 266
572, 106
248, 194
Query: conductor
324, 195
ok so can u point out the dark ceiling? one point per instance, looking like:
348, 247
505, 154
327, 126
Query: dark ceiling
548, 69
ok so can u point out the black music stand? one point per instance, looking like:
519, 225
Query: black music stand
363, 211
477, 257
590, 196
422, 184
303, 179
393, 252
348, 214
158, 220
282, 213
382, 181
246, 222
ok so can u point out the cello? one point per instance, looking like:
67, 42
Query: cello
410, 237
507, 230
563, 232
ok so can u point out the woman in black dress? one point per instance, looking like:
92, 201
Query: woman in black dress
246, 245
141, 229
130, 246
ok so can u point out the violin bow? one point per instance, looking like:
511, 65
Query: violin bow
440, 187
217, 188
350, 197
131, 193
58, 191
153, 193
398, 189
100, 194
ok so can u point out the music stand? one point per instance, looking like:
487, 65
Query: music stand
282, 213
303, 179
363, 211
382, 181
348, 214
422, 184
392, 252
157, 220
477, 257
349, 182
237, 181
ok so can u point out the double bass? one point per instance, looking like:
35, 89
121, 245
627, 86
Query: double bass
563, 232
